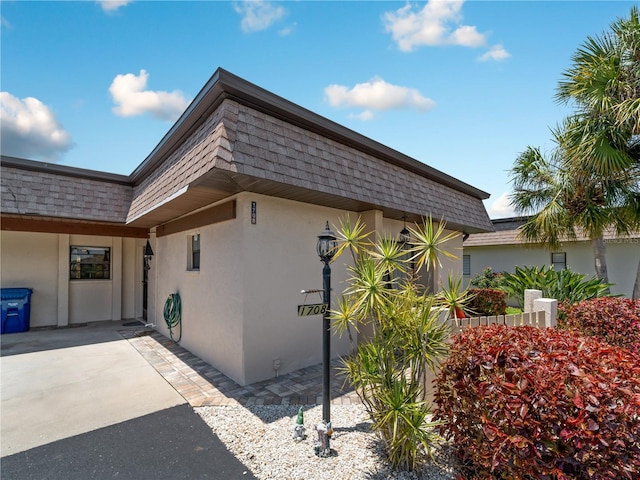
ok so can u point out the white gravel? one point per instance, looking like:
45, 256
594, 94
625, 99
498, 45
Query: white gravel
261, 437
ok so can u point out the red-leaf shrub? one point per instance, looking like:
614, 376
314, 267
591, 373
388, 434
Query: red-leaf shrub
615, 320
528, 403
487, 302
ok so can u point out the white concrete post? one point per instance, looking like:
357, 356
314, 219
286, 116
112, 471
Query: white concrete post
530, 295
550, 308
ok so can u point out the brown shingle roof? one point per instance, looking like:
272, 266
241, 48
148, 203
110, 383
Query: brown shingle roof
35, 188
507, 233
236, 136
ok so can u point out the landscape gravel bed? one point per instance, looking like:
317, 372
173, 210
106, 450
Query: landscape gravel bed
261, 437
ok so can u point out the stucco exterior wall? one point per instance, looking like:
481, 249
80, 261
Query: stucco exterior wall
30, 260
239, 311
449, 265
212, 297
273, 279
41, 261
622, 260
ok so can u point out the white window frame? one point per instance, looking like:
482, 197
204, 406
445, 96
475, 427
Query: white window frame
466, 265
559, 258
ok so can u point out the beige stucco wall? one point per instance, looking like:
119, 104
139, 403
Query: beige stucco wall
450, 265
273, 279
622, 260
212, 298
41, 261
30, 260
239, 311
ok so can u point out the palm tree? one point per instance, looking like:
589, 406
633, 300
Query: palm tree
563, 202
604, 84
603, 137
591, 181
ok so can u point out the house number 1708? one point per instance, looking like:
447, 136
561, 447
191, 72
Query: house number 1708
313, 309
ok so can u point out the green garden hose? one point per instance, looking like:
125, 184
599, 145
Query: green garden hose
172, 309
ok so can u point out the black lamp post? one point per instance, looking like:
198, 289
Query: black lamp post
326, 249
148, 255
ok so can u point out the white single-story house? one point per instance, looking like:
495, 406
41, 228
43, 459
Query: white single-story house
504, 249
232, 201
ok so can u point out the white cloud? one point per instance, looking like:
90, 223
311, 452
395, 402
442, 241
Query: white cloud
129, 94
257, 14
288, 30
501, 207
30, 129
365, 115
437, 23
376, 95
497, 52
5, 23
111, 6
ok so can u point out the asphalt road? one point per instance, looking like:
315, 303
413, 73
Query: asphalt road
170, 444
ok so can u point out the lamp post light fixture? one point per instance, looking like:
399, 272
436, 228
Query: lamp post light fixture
404, 238
405, 235
148, 255
326, 249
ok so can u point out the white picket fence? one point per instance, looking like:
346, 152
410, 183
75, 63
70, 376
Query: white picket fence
535, 319
538, 312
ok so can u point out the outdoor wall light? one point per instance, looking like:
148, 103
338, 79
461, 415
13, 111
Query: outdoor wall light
405, 235
327, 244
148, 255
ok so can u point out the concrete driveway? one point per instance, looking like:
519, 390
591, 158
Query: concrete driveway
83, 403
57, 384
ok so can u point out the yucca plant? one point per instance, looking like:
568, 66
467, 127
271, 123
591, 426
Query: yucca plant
388, 370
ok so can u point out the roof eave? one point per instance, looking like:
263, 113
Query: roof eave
64, 170
223, 85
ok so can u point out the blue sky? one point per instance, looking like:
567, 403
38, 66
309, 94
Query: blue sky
461, 86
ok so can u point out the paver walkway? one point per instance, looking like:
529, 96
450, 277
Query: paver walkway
200, 384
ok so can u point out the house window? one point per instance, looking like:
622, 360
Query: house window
466, 265
90, 263
193, 262
559, 260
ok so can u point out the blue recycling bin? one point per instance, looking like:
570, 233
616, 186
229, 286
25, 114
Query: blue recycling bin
16, 309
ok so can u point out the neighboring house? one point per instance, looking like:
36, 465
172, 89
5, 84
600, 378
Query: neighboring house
504, 249
232, 200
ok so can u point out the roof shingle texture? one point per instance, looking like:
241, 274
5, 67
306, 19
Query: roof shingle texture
208, 147
28, 192
244, 140
512, 237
